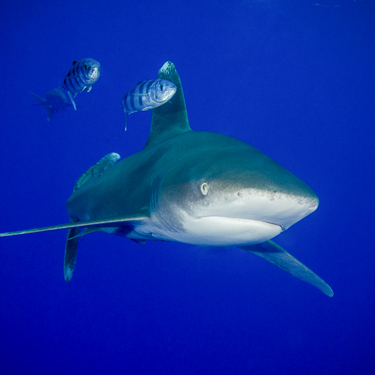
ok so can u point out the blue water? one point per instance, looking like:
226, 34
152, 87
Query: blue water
294, 79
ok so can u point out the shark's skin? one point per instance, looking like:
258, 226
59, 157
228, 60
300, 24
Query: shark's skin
55, 101
200, 188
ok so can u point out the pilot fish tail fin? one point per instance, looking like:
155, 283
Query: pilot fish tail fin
169, 119
276, 255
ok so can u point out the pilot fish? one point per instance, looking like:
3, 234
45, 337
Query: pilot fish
81, 76
147, 95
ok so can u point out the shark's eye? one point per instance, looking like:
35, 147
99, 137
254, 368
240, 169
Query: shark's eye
204, 188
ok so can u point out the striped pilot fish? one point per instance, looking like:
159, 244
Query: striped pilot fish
147, 95
81, 76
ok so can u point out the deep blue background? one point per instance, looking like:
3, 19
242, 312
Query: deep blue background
294, 79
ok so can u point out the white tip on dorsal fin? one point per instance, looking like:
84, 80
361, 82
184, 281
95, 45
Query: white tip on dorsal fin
97, 169
169, 119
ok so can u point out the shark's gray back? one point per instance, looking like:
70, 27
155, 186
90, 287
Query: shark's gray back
127, 186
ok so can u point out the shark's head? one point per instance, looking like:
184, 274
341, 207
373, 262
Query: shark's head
228, 193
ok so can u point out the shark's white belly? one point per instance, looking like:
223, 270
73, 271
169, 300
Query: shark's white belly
212, 231
225, 231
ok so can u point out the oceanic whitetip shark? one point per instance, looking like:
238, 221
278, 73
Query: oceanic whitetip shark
194, 187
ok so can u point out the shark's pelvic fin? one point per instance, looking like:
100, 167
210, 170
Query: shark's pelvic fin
72, 100
97, 169
169, 119
276, 255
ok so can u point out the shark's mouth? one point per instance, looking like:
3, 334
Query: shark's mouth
226, 231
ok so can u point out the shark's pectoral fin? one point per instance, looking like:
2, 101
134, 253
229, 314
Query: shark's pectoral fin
72, 100
70, 257
276, 255
129, 221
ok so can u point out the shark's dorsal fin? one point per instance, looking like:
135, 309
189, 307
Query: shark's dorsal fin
169, 119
